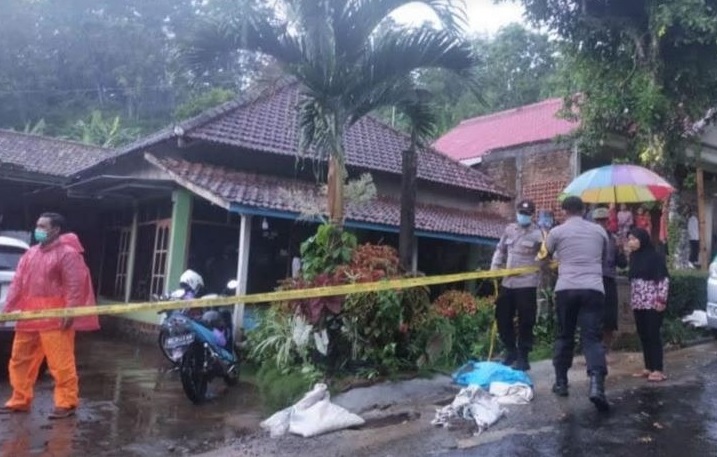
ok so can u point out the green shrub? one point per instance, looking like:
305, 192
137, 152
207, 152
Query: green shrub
688, 292
280, 389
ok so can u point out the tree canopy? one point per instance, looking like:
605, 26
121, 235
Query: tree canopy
646, 69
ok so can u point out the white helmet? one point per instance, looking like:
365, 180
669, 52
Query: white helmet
192, 279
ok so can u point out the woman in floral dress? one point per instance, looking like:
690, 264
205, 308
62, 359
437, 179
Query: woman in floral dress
649, 284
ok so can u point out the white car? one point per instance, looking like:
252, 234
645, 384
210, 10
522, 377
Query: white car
11, 249
712, 296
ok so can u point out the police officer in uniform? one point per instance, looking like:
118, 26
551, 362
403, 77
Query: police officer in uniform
580, 247
518, 248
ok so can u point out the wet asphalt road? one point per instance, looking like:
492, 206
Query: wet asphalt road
677, 420
129, 407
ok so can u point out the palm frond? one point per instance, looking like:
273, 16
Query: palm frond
215, 40
314, 127
400, 53
409, 99
361, 18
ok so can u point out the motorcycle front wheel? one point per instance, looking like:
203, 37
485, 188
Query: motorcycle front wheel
163, 335
194, 380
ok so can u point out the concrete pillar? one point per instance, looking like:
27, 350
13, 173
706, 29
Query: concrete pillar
131, 255
242, 271
178, 236
414, 257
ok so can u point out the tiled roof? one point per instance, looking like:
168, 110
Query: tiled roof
289, 195
475, 137
271, 124
45, 155
268, 122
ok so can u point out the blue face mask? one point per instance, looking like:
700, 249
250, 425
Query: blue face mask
40, 235
523, 219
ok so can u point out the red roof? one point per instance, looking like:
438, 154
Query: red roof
475, 137
226, 186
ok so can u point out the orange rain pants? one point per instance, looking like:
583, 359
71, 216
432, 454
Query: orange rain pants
28, 351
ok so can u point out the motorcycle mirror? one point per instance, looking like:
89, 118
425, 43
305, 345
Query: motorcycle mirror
177, 294
233, 284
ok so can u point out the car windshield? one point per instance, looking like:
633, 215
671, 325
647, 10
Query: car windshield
10, 257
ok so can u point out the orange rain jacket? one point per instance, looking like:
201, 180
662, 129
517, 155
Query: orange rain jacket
53, 276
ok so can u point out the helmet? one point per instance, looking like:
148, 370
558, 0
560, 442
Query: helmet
191, 279
526, 207
213, 319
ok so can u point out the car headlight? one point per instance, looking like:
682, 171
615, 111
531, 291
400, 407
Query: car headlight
713, 270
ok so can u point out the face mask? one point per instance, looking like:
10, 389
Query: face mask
40, 235
523, 219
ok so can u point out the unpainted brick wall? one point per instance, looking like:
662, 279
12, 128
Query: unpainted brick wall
539, 173
545, 175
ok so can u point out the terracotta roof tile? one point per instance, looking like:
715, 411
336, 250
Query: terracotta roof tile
475, 137
270, 124
288, 195
45, 155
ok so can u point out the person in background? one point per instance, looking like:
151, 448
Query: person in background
612, 225
664, 222
693, 232
518, 247
624, 222
614, 259
581, 247
649, 286
643, 220
52, 274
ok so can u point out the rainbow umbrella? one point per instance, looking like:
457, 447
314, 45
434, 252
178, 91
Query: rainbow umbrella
619, 184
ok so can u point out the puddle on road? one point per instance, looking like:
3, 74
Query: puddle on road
129, 407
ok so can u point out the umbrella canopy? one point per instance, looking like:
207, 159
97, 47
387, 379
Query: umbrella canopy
619, 184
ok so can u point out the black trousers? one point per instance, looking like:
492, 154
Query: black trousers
694, 251
523, 302
585, 308
649, 323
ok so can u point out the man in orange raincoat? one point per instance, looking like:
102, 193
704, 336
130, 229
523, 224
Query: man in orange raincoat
52, 274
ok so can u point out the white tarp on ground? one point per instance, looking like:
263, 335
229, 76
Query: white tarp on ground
474, 404
511, 394
698, 319
312, 415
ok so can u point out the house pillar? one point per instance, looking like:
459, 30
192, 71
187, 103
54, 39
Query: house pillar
701, 214
178, 236
242, 271
131, 255
472, 265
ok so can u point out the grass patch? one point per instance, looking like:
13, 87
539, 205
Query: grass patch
541, 352
279, 390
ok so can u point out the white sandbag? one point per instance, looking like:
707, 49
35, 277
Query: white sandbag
313, 415
322, 417
511, 394
278, 423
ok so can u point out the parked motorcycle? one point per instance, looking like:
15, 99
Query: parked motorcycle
200, 343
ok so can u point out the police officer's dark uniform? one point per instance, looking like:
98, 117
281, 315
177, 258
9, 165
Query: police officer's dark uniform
518, 247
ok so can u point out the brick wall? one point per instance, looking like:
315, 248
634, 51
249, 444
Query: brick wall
504, 173
539, 172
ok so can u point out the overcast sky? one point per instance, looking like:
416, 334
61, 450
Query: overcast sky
484, 15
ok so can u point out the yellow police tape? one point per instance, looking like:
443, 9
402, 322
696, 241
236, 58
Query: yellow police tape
284, 295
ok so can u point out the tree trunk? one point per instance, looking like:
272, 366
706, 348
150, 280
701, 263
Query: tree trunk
406, 240
336, 192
